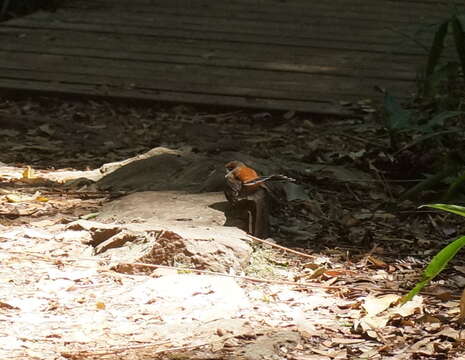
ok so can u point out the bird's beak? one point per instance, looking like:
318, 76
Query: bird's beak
228, 173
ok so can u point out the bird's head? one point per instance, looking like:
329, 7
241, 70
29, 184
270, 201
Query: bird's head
232, 165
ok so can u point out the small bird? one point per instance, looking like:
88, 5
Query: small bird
243, 183
242, 180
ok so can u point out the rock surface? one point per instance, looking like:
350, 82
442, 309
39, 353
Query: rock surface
166, 169
217, 249
175, 213
168, 208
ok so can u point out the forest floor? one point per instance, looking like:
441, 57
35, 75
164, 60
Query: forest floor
364, 247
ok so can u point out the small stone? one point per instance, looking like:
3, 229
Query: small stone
308, 124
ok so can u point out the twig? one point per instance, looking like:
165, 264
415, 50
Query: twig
185, 347
12, 215
370, 253
220, 115
356, 197
360, 139
381, 179
156, 266
423, 138
247, 278
281, 247
242, 277
139, 346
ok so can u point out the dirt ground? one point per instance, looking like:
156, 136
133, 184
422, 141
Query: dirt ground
362, 248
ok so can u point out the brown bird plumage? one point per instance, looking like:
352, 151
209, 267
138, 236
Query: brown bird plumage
237, 174
243, 182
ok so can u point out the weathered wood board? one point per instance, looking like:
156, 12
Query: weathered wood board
271, 54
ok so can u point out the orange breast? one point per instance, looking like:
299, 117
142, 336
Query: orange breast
245, 174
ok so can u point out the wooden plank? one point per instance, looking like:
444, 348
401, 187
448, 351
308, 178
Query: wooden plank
114, 79
166, 17
313, 65
44, 87
270, 19
291, 54
206, 49
156, 33
356, 8
342, 5
269, 82
198, 15
156, 84
330, 29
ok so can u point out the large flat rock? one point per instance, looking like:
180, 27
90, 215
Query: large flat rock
127, 246
168, 208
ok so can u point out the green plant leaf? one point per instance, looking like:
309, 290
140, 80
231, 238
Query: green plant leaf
437, 264
438, 119
436, 48
4, 9
418, 287
398, 118
455, 185
455, 209
435, 54
459, 38
443, 73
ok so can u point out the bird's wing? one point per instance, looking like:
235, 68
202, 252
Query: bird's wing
234, 184
262, 179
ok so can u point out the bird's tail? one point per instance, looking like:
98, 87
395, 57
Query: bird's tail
262, 179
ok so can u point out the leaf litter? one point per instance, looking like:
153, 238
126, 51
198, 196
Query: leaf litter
364, 251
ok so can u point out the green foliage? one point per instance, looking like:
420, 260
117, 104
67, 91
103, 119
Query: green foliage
455, 209
435, 53
450, 168
437, 120
4, 7
456, 184
440, 98
435, 72
459, 38
443, 73
440, 261
12, 8
397, 117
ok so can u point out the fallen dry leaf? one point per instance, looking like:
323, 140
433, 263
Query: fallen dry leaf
462, 308
372, 323
377, 262
4, 305
100, 305
409, 308
375, 305
16, 198
28, 173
